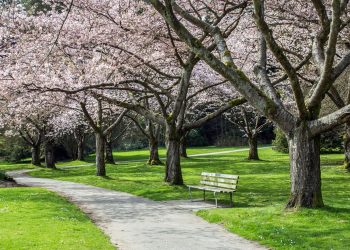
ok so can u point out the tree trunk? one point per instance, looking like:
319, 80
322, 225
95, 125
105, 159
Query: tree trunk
253, 148
36, 155
79, 136
183, 148
153, 153
49, 155
100, 155
173, 174
305, 171
80, 150
109, 153
347, 147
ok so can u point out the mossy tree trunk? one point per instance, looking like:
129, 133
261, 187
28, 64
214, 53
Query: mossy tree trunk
347, 146
100, 154
80, 151
109, 152
153, 152
305, 172
36, 155
183, 148
173, 173
253, 148
49, 154
79, 137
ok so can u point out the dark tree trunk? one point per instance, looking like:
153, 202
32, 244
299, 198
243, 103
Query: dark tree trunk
183, 148
173, 174
80, 150
347, 147
36, 155
100, 155
49, 154
253, 148
109, 153
79, 136
304, 151
153, 153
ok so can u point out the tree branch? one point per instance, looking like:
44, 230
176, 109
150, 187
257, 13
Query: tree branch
330, 121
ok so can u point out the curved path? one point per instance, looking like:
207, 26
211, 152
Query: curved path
135, 223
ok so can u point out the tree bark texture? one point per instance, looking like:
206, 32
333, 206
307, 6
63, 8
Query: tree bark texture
80, 151
304, 151
183, 148
80, 147
100, 155
153, 153
109, 152
347, 147
253, 148
49, 154
173, 174
36, 155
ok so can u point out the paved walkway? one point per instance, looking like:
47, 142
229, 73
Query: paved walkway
226, 152
135, 223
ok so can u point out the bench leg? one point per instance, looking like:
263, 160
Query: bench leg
231, 201
204, 194
216, 200
189, 190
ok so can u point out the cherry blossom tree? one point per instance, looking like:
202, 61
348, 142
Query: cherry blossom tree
32, 119
251, 124
97, 122
155, 65
318, 25
71, 122
151, 131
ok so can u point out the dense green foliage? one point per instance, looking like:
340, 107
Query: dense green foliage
2, 176
33, 218
331, 142
13, 149
280, 143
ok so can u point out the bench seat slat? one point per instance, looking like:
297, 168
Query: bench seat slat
230, 176
220, 180
218, 184
214, 189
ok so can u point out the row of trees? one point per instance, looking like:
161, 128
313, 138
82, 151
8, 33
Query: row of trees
166, 61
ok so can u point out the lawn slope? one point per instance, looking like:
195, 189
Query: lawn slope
33, 218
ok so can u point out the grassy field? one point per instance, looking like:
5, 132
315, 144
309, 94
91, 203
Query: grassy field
139, 178
33, 218
6, 166
142, 154
263, 190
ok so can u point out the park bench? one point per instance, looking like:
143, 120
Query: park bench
217, 183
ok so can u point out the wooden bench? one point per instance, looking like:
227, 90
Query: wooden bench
217, 183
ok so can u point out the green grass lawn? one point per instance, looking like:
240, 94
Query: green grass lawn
6, 166
33, 218
143, 154
259, 202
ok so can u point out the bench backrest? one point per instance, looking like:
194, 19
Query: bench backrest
227, 181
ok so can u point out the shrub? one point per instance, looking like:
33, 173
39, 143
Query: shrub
196, 138
14, 149
280, 143
330, 142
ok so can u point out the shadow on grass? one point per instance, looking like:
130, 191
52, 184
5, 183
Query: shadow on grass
335, 210
107, 177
